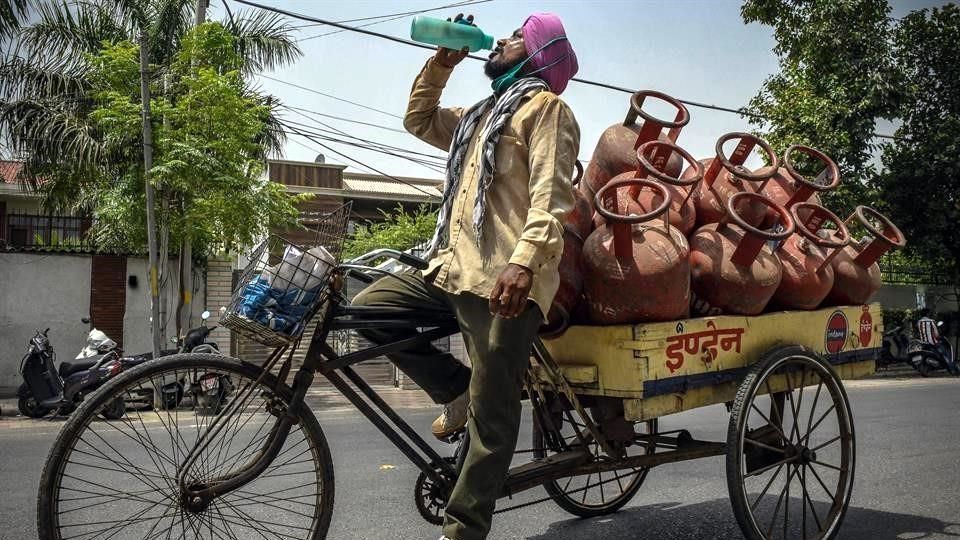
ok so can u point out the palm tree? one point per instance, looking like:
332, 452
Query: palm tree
11, 12
45, 90
44, 84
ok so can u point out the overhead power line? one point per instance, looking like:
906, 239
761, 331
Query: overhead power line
388, 18
431, 194
395, 39
331, 96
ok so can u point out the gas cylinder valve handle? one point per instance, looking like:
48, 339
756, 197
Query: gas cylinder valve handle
809, 224
735, 162
620, 224
653, 169
578, 176
652, 126
807, 187
754, 238
883, 240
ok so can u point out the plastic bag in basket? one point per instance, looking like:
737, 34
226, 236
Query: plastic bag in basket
301, 270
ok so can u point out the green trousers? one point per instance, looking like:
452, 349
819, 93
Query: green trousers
499, 351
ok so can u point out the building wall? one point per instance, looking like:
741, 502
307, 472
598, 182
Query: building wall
219, 286
37, 292
136, 320
40, 290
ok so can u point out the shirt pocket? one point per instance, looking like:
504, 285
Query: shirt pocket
510, 156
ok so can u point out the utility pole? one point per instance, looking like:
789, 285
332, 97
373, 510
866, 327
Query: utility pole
148, 186
186, 248
202, 6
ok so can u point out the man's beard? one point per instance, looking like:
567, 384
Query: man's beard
494, 68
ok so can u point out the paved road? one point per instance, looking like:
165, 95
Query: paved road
907, 484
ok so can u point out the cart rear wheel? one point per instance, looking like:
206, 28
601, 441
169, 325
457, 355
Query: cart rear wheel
594, 494
790, 449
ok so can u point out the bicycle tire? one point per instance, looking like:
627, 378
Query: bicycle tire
59, 459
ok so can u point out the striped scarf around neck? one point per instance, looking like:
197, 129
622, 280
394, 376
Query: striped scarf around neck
501, 109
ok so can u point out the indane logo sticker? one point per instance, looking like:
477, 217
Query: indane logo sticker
866, 328
836, 335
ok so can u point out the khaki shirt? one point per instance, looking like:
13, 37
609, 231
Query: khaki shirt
530, 195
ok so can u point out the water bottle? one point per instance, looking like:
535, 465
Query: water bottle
448, 34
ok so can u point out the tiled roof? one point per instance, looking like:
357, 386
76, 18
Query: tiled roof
391, 188
9, 171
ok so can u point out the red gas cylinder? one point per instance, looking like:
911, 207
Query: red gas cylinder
683, 212
576, 228
732, 268
616, 151
857, 272
788, 186
571, 285
805, 257
725, 177
580, 218
636, 273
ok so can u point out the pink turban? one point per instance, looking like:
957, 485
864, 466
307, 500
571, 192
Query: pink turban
538, 30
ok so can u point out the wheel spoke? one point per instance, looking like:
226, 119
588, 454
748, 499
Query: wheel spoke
820, 421
822, 485
118, 480
809, 500
829, 466
775, 426
765, 446
767, 487
828, 443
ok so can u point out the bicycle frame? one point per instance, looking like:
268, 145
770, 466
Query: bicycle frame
321, 358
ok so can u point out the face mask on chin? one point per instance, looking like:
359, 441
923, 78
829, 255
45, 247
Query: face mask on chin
510, 74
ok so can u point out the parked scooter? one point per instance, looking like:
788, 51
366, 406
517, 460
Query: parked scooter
929, 357
207, 390
47, 388
895, 346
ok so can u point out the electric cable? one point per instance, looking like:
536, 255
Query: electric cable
388, 18
411, 43
370, 167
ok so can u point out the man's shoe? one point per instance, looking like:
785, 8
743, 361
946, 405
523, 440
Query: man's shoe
453, 419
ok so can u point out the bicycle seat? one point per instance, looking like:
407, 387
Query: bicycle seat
69, 368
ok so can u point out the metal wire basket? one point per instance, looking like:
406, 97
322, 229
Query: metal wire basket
286, 283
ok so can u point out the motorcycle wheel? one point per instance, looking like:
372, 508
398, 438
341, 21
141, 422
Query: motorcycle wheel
28, 406
115, 409
924, 368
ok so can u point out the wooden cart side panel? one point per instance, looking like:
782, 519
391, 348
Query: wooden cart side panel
651, 360
642, 409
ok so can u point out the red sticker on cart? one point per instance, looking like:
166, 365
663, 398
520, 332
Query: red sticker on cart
866, 329
836, 335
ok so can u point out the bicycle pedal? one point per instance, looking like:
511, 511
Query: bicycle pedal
454, 437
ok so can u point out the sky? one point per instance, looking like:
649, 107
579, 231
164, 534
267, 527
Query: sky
697, 50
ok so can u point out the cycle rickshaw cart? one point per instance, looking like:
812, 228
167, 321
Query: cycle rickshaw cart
261, 468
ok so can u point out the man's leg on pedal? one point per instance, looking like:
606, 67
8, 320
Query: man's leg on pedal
499, 351
438, 373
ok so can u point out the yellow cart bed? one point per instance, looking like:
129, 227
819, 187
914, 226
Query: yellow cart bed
790, 445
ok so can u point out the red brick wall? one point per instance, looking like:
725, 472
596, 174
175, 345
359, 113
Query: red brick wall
108, 294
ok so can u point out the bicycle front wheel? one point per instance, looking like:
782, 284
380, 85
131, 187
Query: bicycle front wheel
118, 479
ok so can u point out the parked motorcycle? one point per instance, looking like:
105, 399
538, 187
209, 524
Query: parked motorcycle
209, 390
929, 357
895, 346
206, 390
48, 388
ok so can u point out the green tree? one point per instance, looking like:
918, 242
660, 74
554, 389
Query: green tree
922, 165
206, 151
837, 77
47, 98
399, 230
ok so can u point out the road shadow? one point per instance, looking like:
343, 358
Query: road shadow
714, 519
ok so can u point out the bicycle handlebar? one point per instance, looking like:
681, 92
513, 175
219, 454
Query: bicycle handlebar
357, 268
